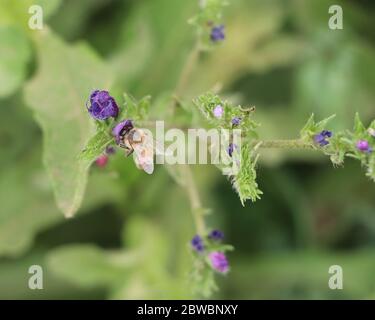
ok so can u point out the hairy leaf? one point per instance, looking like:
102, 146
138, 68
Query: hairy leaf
89, 266
57, 95
95, 147
244, 182
14, 55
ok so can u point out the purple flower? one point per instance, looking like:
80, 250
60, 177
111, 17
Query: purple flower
321, 138
217, 33
364, 146
219, 261
216, 235
231, 149
218, 111
197, 243
102, 105
236, 121
122, 128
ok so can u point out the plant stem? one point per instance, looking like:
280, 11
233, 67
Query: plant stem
185, 75
195, 202
283, 144
266, 144
187, 69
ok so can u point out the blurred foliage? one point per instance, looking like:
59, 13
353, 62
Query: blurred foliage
130, 238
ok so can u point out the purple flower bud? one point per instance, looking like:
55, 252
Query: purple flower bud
102, 105
197, 243
217, 33
110, 150
216, 235
101, 161
321, 138
326, 133
122, 128
364, 146
231, 149
236, 121
218, 111
219, 261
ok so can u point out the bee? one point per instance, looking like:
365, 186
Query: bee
139, 143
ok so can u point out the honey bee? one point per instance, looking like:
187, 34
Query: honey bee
139, 143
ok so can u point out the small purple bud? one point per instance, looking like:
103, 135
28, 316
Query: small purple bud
216, 235
197, 243
217, 33
102, 105
364, 146
321, 138
218, 111
122, 128
326, 133
231, 149
109, 150
236, 121
219, 261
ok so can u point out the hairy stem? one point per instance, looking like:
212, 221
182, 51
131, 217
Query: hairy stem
283, 144
195, 202
188, 69
185, 75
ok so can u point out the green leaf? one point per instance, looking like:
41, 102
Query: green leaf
359, 128
14, 56
95, 147
311, 127
26, 207
89, 266
244, 182
57, 95
135, 110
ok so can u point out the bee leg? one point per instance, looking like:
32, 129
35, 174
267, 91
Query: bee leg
128, 151
122, 145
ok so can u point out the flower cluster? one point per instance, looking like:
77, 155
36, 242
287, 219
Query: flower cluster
208, 247
102, 105
217, 33
208, 23
322, 138
224, 115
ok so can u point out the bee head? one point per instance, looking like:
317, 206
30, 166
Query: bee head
121, 129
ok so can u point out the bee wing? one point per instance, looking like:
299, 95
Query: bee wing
144, 155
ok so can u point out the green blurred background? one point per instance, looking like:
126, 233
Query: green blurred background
130, 237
